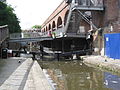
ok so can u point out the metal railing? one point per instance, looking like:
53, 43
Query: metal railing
90, 3
4, 33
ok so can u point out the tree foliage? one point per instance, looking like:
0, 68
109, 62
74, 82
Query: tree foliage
8, 17
3, 0
36, 27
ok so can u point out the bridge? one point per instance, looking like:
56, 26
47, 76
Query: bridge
72, 17
70, 26
68, 31
34, 39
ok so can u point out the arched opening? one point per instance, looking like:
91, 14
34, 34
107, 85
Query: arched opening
49, 26
59, 22
43, 31
53, 26
46, 28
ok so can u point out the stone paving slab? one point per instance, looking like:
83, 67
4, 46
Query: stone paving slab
15, 80
37, 80
8, 66
30, 82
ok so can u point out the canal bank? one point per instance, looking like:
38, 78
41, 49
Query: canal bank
59, 75
103, 62
22, 74
36, 79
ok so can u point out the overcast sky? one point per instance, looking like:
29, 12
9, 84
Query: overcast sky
33, 12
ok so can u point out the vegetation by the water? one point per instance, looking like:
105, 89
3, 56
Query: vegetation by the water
36, 27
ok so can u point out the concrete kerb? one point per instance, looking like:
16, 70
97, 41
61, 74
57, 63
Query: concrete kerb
37, 80
103, 62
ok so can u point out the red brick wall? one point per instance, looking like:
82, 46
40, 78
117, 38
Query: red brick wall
97, 18
54, 16
111, 11
110, 16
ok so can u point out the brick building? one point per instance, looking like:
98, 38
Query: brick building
95, 16
108, 20
110, 17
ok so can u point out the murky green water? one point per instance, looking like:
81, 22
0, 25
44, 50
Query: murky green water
74, 75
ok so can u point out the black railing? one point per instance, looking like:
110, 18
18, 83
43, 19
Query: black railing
92, 3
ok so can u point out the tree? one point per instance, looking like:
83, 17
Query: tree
2, 0
36, 27
8, 17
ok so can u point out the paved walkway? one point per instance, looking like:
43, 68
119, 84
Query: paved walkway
18, 78
8, 66
103, 62
26, 76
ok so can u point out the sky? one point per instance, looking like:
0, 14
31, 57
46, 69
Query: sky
33, 12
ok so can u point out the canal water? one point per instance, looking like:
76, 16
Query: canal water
75, 75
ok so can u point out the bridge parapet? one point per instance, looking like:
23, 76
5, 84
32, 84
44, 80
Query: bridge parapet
60, 33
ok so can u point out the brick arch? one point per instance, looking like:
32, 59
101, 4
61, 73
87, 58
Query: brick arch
49, 27
53, 25
46, 28
59, 22
43, 30
59, 12
63, 15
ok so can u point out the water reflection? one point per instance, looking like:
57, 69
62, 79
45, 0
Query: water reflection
112, 81
74, 75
